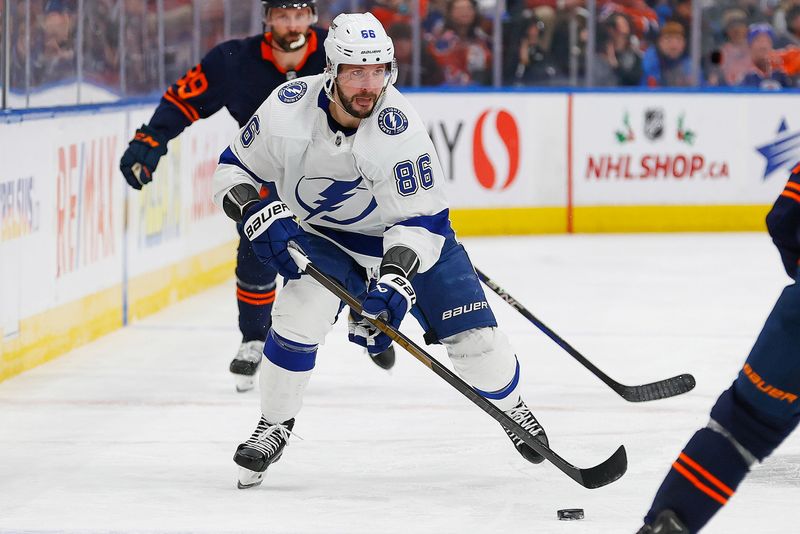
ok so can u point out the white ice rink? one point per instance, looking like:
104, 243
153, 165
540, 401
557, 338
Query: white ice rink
136, 432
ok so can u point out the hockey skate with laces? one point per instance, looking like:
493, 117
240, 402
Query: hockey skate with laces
522, 415
245, 365
262, 449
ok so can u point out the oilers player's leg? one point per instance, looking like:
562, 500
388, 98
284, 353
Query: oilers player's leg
748, 422
255, 291
452, 307
255, 294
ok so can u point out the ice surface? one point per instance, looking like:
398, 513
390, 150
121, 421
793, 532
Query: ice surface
135, 432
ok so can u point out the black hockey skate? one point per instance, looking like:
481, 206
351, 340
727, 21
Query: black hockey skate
385, 359
245, 365
262, 449
522, 415
666, 523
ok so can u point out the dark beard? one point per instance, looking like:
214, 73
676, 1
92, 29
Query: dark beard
348, 107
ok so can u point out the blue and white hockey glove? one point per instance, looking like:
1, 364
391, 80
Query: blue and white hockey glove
363, 333
269, 225
390, 299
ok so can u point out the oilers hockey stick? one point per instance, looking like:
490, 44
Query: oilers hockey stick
662, 389
593, 477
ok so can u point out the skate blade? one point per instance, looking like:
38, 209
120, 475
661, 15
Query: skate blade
244, 383
249, 479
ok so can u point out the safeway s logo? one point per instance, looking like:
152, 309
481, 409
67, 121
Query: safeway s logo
496, 150
322, 196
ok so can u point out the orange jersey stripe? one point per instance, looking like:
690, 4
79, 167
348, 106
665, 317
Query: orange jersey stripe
255, 295
254, 302
193, 112
796, 169
185, 108
792, 185
699, 485
711, 478
792, 195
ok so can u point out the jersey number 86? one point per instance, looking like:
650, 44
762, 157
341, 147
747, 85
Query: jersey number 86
410, 177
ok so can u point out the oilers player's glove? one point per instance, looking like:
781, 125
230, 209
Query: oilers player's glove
269, 226
390, 299
140, 160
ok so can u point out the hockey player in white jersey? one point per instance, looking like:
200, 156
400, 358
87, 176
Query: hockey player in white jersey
360, 189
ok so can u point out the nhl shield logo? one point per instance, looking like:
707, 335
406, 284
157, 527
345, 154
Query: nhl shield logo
291, 93
654, 123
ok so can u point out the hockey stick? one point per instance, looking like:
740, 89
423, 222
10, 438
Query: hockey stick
669, 387
593, 477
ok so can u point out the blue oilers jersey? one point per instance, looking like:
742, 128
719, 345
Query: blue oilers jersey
783, 222
365, 189
237, 75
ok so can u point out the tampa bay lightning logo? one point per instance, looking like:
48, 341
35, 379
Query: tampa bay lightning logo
322, 195
783, 151
392, 121
292, 92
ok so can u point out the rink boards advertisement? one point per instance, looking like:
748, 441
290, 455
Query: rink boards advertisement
679, 161
81, 253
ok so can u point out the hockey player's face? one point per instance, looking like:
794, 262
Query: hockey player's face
289, 26
358, 88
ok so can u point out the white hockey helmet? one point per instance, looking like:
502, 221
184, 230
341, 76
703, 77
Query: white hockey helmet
357, 39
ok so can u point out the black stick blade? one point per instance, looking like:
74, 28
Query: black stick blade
607, 472
670, 387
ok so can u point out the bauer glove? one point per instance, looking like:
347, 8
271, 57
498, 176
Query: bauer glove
270, 226
390, 299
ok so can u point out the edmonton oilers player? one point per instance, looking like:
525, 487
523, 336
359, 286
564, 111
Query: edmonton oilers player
753, 416
361, 183
238, 75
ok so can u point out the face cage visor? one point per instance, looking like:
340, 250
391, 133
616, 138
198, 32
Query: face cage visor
365, 77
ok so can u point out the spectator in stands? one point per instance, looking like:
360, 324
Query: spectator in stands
763, 75
59, 59
390, 12
433, 23
533, 65
780, 17
430, 73
791, 37
619, 59
667, 64
735, 53
545, 12
462, 50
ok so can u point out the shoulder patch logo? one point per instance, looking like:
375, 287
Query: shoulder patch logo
392, 121
291, 93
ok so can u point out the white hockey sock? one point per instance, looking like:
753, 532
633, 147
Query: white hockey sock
484, 358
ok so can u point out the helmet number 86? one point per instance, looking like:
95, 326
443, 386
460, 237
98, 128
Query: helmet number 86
368, 34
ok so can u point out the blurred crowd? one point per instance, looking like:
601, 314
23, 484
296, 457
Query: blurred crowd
750, 43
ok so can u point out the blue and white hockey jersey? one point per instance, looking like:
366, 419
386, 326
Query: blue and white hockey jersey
366, 189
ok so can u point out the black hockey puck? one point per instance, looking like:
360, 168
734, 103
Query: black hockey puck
570, 514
